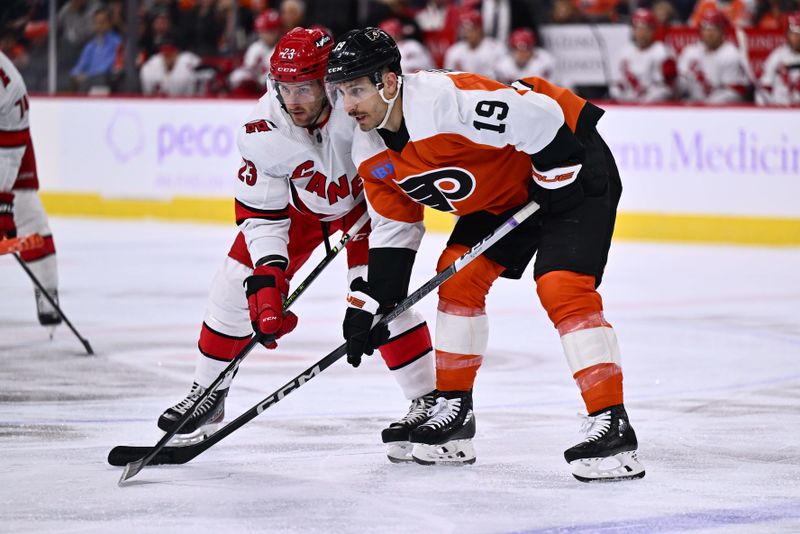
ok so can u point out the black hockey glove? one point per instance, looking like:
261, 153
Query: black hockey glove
362, 313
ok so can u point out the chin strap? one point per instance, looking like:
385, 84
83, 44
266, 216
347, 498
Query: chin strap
389, 101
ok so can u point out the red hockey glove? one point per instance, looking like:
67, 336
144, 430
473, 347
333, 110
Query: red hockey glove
7, 226
266, 290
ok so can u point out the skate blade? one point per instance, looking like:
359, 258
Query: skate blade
399, 452
621, 466
202, 433
455, 452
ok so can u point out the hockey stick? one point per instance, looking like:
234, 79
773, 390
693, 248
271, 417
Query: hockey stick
180, 455
148, 453
53, 303
20, 244
744, 60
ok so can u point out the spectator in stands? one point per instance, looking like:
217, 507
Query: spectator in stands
710, 71
566, 12
770, 14
170, 72
666, 13
736, 11
157, 32
74, 28
438, 21
602, 10
94, 67
413, 56
526, 59
202, 28
251, 78
474, 52
781, 77
75, 21
293, 14
647, 71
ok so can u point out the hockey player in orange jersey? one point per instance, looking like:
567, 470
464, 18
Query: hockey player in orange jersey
464, 144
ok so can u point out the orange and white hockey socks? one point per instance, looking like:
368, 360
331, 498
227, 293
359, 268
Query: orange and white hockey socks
589, 342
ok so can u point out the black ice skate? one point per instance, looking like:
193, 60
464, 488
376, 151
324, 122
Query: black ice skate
396, 435
205, 421
446, 437
48, 316
609, 451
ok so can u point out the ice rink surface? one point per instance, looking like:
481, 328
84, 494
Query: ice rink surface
710, 339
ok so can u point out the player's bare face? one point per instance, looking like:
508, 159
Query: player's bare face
304, 101
712, 36
362, 102
643, 36
793, 38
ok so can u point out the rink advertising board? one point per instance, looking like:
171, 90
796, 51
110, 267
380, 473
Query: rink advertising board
697, 174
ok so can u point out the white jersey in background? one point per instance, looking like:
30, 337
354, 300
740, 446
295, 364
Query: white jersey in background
712, 77
645, 75
480, 60
283, 164
414, 56
180, 81
542, 65
256, 59
781, 77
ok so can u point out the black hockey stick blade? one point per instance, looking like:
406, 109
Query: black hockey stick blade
132, 468
132, 457
53, 303
179, 455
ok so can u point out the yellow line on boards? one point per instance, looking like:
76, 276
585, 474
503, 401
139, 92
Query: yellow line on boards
630, 225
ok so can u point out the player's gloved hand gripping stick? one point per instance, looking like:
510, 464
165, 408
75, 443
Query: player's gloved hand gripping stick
146, 454
179, 455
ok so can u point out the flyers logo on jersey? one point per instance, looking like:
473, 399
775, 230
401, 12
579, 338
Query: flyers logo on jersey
440, 188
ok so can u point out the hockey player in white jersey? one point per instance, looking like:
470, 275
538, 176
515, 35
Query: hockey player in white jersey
474, 52
21, 211
526, 59
295, 184
414, 56
647, 71
710, 71
255, 64
781, 76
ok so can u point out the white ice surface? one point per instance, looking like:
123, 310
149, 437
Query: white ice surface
710, 340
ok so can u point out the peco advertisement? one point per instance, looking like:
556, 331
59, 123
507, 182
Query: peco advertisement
673, 159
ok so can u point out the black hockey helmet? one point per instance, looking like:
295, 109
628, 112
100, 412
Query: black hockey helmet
363, 52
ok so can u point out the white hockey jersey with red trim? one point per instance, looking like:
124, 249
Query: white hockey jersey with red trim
541, 64
14, 134
781, 76
480, 60
469, 147
712, 76
282, 164
645, 75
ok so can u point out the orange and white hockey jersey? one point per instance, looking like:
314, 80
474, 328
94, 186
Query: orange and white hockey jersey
15, 139
469, 148
282, 164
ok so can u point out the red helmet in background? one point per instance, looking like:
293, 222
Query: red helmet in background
644, 17
268, 20
793, 22
393, 27
471, 17
522, 38
714, 17
300, 55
